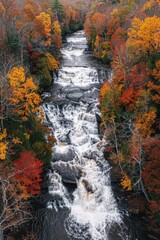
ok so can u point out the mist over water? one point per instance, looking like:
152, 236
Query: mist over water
81, 203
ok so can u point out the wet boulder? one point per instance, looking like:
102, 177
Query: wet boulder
87, 186
56, 100
70, 89
63, 153
94, 94
75, 97
69, 172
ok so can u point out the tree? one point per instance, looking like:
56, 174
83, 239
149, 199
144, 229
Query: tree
3, 144
151, 174
43, 28
24, 97
154, 84
27, 174
57, 37
144, 36
14, 210
46, 65
57, 9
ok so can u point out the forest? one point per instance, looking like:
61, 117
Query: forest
125, 36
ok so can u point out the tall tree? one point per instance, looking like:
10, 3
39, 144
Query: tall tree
57, 9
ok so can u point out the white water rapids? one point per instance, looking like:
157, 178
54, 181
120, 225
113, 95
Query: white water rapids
71, 109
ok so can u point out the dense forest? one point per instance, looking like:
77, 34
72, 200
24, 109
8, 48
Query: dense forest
125, 36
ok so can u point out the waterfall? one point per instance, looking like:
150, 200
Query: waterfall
81, 203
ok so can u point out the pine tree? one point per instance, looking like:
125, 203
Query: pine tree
57, 9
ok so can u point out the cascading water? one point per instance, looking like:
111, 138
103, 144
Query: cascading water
81, 203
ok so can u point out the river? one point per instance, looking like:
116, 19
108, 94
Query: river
81, 203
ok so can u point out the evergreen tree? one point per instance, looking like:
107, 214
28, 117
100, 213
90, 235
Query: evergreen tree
57, 9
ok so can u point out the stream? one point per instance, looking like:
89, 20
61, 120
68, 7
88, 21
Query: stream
81, 203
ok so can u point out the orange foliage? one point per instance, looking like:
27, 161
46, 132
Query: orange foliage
99, 22
43, 27
24, 96
57, 38
126, 182
104, 89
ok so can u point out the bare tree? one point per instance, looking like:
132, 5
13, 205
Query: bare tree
14, 210
139, 156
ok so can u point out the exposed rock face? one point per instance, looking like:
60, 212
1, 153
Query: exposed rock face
70, 173
70, 89
88, 186
67, 153
75, 96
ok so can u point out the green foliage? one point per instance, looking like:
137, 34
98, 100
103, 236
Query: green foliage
57, 9
31, 135
153, 58
42, 152
45, 73
12, 43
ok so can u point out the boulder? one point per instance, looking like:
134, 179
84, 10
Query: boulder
69, 172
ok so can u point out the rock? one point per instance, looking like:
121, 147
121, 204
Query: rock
56, 87
70, 173
85, 88
70, 89
98, 117
56, 100
94, 94
87, 186
63, 153
75, 96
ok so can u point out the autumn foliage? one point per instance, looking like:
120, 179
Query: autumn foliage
27, 174
24, 95
128, 38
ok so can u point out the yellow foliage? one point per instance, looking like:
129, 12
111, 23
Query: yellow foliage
145, 123
3, 145
3, 135
114, 13
24, 96
27, 136
16, 140
149, 4
126, 182
2, 8
45, 19
52, 62
56, 27
57, 37
16, 76
116, 158
144, 36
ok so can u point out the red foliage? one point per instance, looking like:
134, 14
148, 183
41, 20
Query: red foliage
117, 40
151, 174
112, 25
136, 80
27, 172
35, 55
129, 97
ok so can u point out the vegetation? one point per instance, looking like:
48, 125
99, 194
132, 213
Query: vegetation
31, 38
127, 35
124, 34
